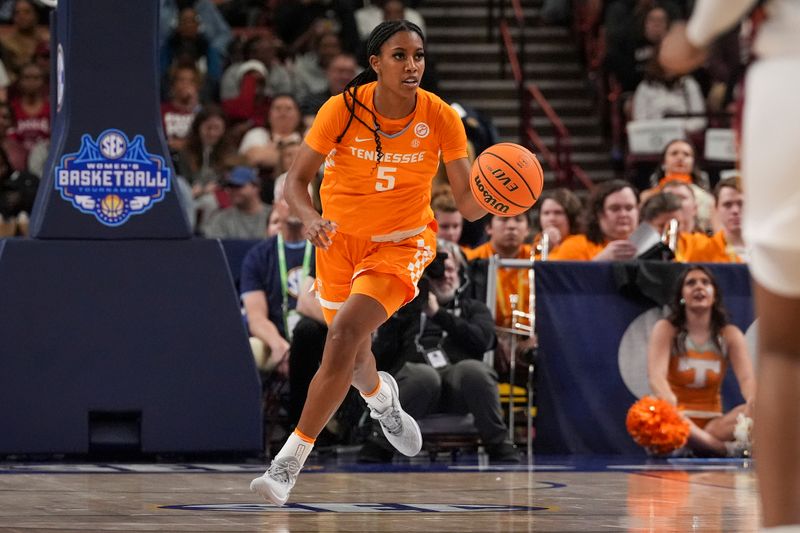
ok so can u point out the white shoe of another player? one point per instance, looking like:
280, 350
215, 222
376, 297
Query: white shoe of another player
400, 428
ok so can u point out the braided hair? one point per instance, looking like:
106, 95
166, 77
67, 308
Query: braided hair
377, 37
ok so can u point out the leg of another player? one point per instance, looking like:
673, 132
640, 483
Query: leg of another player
777, 426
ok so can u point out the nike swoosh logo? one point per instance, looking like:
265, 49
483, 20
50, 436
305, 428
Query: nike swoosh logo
360, 140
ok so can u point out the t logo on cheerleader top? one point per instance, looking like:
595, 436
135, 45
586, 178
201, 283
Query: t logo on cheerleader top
112, 178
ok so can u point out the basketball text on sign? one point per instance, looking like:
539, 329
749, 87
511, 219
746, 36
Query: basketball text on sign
112, 178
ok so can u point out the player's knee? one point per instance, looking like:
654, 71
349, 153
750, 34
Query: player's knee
345, 333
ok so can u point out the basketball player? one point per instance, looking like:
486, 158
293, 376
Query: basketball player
770, 160
380, 142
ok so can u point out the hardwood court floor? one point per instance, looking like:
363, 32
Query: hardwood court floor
568, 495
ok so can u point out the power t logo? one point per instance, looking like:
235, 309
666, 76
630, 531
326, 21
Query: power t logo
112, 178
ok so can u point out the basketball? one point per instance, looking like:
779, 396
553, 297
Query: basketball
111, 206
506, 179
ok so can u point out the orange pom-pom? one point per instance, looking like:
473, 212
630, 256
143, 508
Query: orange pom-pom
657, 425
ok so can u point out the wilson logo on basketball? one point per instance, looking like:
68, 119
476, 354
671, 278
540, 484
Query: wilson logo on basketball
421, 130
488, 198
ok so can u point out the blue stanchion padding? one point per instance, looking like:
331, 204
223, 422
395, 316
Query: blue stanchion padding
235, 250
123, 326
108, 174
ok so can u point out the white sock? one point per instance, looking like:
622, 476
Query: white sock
296, 447
782, 529
381, 400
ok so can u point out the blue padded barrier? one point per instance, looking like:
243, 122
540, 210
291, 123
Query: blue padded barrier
588, 321
123, 326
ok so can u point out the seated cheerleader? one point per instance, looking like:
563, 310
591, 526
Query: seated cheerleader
687, 358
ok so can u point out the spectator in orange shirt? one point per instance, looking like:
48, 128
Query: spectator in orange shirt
678, 163
507, 237
690, 239
558, 214
507, 240
687, 217
658, 210
612, 218
727, 245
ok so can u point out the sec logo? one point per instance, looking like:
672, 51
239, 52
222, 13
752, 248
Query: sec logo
113, 145
421, 130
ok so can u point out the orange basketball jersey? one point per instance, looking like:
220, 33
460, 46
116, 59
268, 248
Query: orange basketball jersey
696, 379
389, 200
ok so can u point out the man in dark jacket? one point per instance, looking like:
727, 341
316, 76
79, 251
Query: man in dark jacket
434, 347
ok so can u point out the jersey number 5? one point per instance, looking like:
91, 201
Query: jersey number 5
385, 179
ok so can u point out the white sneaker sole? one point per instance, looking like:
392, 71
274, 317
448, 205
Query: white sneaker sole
405, 416
262, 487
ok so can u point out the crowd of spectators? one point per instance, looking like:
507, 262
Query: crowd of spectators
241, 81
622, 39
236, 103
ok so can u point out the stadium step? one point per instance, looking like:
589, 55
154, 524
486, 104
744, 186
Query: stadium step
472, 70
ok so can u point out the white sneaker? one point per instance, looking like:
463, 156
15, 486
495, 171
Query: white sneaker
400, 428
277, 482
742, 445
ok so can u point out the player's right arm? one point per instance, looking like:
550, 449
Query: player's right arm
658, 351
458, 176
453, 140
316, 229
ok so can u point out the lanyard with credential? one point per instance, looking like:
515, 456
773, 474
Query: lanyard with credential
285, 277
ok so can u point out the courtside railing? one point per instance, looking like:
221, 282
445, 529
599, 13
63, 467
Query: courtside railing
559, 158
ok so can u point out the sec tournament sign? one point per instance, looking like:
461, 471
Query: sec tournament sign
112, 178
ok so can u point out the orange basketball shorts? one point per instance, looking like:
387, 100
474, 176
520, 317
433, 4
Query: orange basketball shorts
357, 265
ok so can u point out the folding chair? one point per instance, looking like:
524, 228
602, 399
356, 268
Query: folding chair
448, 432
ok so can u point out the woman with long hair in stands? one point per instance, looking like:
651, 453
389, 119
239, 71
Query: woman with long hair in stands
557, 216
679, 163
261, 147
208, 154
